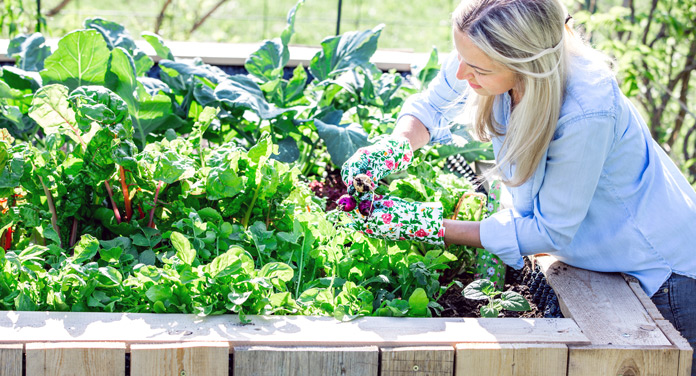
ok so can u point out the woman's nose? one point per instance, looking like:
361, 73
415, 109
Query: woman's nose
463, 71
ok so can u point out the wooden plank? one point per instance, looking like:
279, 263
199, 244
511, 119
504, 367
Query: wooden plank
602, 304
484, 359
622, 361
516, 359
305, 361
189, 358
686, 353
22, 327
70, 358
417, 361
643, 297
11, 359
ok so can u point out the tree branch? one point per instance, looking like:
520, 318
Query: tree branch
57, 8
206, 16
160, 17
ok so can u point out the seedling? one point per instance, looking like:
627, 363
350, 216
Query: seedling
483, 289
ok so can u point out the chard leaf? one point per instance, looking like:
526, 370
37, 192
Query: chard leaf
344, 52
29, 51
85, 249
154, 113
51, 111
227, 263
342, 141
81, 59
418, 303
184, 251
101, 105
158, 44
278, 270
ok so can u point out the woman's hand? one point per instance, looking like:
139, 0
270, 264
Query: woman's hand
388, 155
393, 218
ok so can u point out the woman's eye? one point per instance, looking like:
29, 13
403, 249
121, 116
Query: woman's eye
479, 73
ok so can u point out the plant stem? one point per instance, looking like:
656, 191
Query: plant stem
117, 215
247, 216
300, 267
73, 233
52, 208
126, 195
151, 223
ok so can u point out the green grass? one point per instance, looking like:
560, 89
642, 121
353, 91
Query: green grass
410, 25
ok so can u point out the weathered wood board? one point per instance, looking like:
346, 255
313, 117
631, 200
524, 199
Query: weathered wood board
306, 361
76, 358
189, 358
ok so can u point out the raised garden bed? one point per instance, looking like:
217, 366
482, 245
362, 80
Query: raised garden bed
610, 328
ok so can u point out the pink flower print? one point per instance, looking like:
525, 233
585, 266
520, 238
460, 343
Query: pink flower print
402, 238
495, 261
378, 197
389, 164
368, 173
441, 233
386, 218
391, 151
369, 231
407, 156
490, 271
493, 196
421, 233
365, 151
388, 203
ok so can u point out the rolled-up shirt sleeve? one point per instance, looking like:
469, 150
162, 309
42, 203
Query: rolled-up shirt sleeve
572, 168
440, 103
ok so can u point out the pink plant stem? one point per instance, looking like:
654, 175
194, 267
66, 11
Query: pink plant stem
51, 207
113, 203
73, 233
151, 224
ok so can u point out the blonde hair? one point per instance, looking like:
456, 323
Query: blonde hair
531, 38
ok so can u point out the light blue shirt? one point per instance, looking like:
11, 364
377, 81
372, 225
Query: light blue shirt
605, 197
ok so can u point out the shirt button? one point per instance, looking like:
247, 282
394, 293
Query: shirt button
665, 290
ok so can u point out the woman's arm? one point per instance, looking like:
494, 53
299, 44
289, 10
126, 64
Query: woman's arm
462, 233
410, 127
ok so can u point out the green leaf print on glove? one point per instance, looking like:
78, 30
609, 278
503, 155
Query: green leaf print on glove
398, 219
388, 155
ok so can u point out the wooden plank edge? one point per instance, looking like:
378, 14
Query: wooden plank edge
23, 327
685, 350
643, 297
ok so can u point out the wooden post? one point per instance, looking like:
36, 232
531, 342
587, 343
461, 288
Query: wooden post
305, 361
11, 359
76, 358
417, 361
190, 359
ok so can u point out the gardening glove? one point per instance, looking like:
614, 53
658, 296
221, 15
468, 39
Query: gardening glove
488, 265
390, 154
394, 218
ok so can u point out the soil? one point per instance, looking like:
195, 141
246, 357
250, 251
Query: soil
453, 302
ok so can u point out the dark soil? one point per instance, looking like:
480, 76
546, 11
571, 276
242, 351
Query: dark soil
453, 302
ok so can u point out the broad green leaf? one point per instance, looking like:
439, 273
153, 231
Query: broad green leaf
159, 293
158, 44
81, 59
187, 70
418, 303
268, 61
429, 71
117, 36
489, 311
51, 111
241, 91
290, 26
29, 51
19, 79
344, 52
478, 289
278, 270
342, 140
121, 77
101, 105
513, 301
184, 251
288, 151
153, 114
85, 249
227, 263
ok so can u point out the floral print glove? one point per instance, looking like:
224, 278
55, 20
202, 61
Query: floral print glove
397, 219
388, 155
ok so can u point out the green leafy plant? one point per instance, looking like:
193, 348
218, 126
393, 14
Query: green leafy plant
483, 289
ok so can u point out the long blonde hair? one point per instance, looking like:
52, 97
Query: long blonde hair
531, 38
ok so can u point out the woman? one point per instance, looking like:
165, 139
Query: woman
589, 185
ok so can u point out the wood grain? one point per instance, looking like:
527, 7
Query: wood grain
417, 361
306, 361
11, 359
70, 358
190, 359
622, 361
511, 359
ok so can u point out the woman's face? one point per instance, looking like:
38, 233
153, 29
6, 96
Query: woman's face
484, 75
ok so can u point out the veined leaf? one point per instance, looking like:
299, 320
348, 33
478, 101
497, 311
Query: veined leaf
184, 251
121, 77
81, 59
418, 303
51, 110
158, 44
342, 140
241, 91
344, 52
115, 36
268, 61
